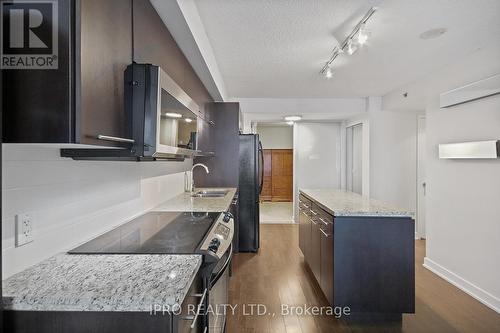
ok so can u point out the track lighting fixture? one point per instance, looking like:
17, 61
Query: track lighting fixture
357, 38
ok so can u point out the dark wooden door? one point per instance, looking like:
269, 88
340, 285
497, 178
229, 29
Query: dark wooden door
267, 190
282, 174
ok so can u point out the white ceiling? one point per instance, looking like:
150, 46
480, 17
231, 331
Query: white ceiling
275, 49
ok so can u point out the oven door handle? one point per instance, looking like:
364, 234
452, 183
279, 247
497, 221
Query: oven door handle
224, 267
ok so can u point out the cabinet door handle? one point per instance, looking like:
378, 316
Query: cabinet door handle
324, 233
314, 213
324, 222
114, 138
198, 310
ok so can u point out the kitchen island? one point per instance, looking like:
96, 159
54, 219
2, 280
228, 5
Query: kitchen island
360, 251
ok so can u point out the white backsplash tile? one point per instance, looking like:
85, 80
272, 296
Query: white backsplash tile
74, 201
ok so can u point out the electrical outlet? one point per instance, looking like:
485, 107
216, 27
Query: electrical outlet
24, 229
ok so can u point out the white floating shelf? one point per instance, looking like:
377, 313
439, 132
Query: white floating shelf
470, 150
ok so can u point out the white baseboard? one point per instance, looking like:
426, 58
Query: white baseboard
481, 295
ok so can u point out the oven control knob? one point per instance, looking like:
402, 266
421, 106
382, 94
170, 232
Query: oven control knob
227, 217
214, 245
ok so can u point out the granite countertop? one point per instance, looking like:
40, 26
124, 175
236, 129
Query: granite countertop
184, 202
345, 203
101, 283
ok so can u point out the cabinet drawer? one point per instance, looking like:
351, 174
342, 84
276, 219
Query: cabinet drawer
305, 205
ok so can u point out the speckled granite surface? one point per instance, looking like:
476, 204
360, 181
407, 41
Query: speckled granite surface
344, 203
185, 203
101, 283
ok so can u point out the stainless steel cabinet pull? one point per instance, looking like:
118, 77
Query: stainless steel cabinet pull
195, 317
312, 211
114, 139
325, 222
324, 233
313, 222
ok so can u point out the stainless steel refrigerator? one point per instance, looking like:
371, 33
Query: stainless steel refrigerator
250, 185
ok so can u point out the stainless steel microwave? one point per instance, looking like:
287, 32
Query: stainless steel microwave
161, 117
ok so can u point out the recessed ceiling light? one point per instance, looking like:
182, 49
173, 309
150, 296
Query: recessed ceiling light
433, 33
173, 115
290, 123
293, 118
188, 120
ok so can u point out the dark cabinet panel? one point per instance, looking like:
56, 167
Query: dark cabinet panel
37, 103
304, 227
154, 44
326, 280
206, 133
105, 52
224, 166
84, 96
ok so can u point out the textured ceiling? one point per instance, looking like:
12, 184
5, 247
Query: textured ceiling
275, 48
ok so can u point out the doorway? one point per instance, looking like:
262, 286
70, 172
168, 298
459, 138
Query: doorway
421, 177
354, 158
276, 198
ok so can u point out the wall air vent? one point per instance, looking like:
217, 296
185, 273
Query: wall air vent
470, 150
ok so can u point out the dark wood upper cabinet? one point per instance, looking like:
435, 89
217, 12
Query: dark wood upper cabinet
154, 44
103, 52
84, 97
37, 103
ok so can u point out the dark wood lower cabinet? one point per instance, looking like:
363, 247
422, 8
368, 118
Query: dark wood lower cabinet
304, 227
315, 263
364, 263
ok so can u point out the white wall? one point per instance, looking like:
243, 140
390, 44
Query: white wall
73, 201
462, 201
276, 137
389, 153
317, 157
393, 157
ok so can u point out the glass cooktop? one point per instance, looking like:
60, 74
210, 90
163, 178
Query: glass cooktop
154, 233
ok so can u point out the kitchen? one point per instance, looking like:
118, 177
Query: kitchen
131, 172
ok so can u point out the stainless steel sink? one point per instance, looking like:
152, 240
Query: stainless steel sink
210, 193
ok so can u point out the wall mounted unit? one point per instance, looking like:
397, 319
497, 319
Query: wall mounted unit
471, 92
470, 150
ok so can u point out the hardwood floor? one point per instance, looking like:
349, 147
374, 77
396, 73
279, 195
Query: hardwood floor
278, 275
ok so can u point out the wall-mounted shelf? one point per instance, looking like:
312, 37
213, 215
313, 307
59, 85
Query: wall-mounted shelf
470, 150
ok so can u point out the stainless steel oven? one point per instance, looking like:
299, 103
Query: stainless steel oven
219, 295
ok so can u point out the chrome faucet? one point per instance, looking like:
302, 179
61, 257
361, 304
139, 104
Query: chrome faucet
192, 178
